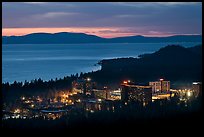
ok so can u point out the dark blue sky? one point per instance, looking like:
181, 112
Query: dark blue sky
104, 19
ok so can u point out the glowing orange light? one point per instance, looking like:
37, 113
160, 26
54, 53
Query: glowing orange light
125, 82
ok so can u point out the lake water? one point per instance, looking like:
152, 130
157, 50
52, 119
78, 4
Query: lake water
46, 61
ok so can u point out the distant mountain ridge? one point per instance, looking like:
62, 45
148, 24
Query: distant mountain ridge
76, 38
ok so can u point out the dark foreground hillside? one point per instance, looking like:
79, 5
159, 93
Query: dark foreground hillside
173, 62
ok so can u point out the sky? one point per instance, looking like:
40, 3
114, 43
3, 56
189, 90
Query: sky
104, 19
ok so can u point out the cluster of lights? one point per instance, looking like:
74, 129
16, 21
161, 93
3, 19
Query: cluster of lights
126, 81
17, 111
186, 92
27, 101
65, 99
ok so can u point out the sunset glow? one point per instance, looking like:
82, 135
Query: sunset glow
101, 32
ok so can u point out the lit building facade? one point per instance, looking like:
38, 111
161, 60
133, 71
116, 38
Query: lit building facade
84, 86
103, 94
197, 88
115, 94
132, 92
160, 86
77, 85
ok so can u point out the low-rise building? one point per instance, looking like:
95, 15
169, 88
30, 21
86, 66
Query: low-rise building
132, 92
197, 88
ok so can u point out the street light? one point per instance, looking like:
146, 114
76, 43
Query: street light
23, 98
88, 79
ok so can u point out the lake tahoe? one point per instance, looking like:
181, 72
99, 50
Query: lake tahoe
50, 61
101, 66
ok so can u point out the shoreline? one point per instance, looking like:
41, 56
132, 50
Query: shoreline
90, 71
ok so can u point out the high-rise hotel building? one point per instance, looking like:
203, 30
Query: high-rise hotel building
160, 86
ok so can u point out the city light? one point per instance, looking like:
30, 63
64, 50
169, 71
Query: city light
70, 101
27, 101
74, 93
155, 97
125, 82
78, 100
189, 94
70, 94
161, 79
92, 111
64, 101
64, 95
88, 79
17, 111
